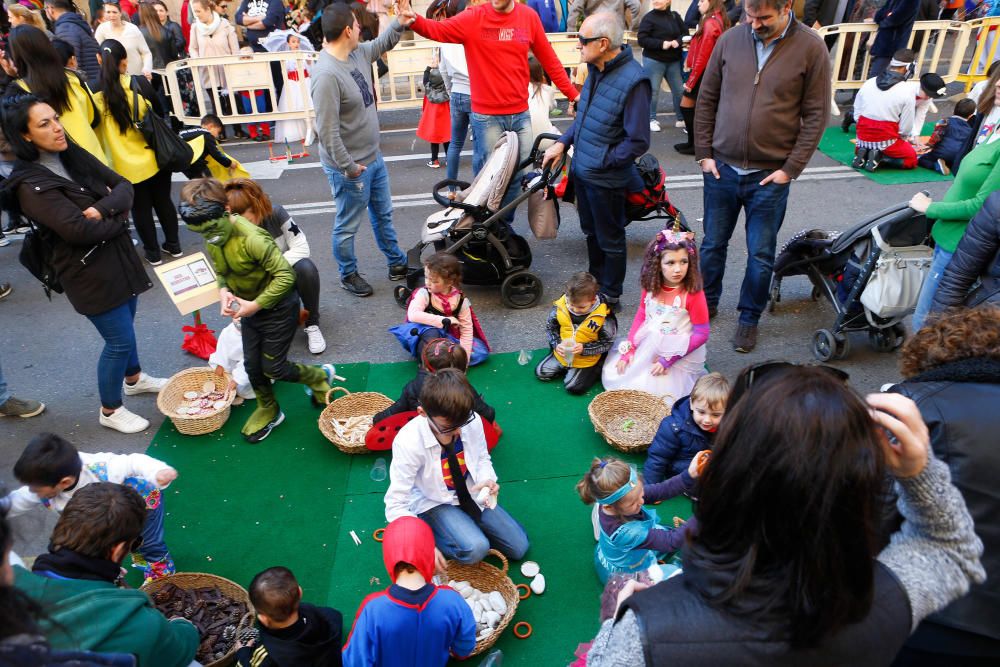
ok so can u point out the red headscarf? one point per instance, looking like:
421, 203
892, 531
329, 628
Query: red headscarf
409, 540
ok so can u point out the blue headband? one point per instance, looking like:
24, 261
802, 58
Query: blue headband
632, 482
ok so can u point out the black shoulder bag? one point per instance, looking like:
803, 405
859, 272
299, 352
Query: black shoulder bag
172, 152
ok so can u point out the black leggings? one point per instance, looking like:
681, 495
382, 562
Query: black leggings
307, 285
149, 195
435, 148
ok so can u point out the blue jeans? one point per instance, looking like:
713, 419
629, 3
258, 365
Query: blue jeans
4, 394
657, 71
462, 539
120, 356
764, 207
352, 196
153, 547
461, 113
486, 131
938, 264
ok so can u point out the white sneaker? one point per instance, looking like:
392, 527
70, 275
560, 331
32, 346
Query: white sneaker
679, 123
317, 344
654, 125
146, 384
123, 420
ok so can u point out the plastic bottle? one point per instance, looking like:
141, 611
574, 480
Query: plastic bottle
493, 659
524, 357
378, 470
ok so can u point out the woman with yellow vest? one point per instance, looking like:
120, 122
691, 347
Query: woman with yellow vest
582, 329
132, 157
42, 74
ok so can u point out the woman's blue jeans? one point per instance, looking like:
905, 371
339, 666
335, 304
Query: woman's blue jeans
657, 71
120, 356
939, 263
461, 115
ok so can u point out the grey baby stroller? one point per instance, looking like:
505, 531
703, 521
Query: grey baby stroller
871, 274
472, 227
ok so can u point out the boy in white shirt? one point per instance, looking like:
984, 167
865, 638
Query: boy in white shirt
445, 437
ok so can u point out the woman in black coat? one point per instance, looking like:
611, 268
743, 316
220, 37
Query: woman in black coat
81, 207
952, 371
976, 262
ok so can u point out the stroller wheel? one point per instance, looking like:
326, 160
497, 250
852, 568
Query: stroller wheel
827, 345
521, 289
402, 295
882, 340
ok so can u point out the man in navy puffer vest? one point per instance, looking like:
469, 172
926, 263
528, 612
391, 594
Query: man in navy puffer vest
610, 131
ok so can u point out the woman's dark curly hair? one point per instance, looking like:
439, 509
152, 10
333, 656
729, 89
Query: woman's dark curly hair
959, 333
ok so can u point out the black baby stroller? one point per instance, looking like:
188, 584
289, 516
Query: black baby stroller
471, 227
871, 274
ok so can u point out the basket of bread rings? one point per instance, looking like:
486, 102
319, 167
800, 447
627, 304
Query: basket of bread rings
490, 594
345, 421
628, 418
197, 400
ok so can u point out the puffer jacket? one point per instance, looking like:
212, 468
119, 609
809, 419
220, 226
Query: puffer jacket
958, 402
676, 442
94, 260
73, 28
977, 258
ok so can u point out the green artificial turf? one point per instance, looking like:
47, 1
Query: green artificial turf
838, 145
292, 500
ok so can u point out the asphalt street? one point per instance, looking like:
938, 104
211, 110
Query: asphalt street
49, 352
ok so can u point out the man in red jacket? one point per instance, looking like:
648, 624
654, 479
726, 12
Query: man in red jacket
497, 37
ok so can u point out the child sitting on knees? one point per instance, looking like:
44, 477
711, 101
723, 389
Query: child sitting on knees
630, 539
53, 470
440, 310
438, 354
257, 285
581, 330
292, 632
665, 350
949, 138
414, 618
688, 429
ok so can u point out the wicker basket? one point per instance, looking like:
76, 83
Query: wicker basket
192, 379
488, 578
358, 404
610, 410
193, 580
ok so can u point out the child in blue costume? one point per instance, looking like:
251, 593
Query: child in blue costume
631, 539
414, 621
439, 309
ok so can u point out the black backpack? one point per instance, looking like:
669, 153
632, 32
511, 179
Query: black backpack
172, 153
36, 256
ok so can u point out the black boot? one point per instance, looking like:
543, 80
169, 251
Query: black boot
874, 159
892, 162
687, 113
860, 157
845, 125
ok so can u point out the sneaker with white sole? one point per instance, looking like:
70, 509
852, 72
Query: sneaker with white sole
146, 384
654, 125
124, 420
317, 344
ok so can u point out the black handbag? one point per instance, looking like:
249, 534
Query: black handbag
172, 152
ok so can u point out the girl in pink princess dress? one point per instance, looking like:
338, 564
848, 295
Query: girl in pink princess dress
665, 350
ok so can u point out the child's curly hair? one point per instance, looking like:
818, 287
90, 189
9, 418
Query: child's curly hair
445, 266
651, 277
960, 333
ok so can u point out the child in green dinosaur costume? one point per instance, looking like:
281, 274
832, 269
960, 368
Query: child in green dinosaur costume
256, 284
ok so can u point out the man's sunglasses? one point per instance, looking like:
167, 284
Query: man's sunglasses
451, 429
758, 371
588, 40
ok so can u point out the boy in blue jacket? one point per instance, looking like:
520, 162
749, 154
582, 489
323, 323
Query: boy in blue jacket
948, 140
413, 623
688, 429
